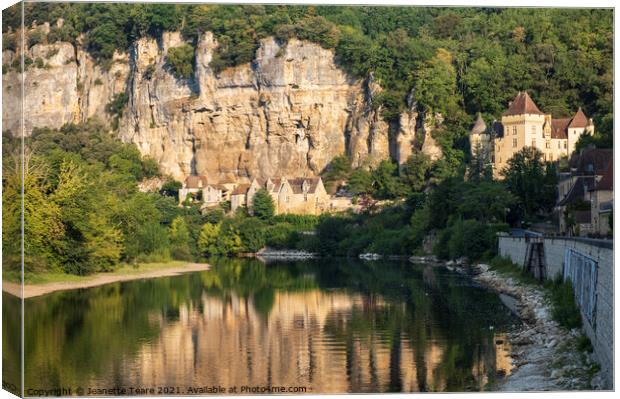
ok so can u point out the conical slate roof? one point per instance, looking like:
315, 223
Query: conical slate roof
579, 120
479, 127
522, 104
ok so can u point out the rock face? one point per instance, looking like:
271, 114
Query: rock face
288, 113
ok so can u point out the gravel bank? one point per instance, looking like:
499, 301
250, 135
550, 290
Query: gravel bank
545, 355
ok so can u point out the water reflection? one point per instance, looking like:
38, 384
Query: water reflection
332, 326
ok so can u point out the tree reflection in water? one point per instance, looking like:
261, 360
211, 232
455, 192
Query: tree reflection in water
331, 325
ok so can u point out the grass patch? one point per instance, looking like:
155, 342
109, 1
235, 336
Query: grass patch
564, 307
505, 266
584, 344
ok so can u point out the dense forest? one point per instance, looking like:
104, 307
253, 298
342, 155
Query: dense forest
84, 212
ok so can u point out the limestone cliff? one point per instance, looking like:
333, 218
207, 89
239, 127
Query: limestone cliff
289, 113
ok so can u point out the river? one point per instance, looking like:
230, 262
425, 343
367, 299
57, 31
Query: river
314, 326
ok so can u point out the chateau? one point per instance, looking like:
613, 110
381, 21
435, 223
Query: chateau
523, 125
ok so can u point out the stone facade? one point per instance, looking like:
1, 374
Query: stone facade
306, 196
585, 194
524, 125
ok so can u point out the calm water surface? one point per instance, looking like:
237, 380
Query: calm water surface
325, 326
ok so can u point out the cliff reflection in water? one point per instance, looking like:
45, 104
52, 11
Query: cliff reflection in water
333, 326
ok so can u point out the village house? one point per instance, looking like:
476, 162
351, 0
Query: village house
585, 193
198, 189
601, 200
524, 125
304, 195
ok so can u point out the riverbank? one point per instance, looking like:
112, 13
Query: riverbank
48, 283
546, 356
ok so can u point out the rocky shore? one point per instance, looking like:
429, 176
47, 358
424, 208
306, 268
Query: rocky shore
546, 356
284, 254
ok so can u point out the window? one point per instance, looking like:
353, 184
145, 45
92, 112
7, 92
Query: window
514, 130
514, 143
533, 129
565, 145
559, 145
548, 145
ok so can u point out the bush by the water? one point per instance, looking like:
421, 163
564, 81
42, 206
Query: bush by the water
564, 306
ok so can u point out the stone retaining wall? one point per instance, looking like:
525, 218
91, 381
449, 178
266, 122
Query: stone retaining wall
601, 331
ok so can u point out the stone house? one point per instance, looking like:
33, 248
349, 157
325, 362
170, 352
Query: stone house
193, 187
581, 194
524, 125
300, 195
238, 197
601, 200
198, 189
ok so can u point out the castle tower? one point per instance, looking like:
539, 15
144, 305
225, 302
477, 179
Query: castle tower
522, 126
480, 139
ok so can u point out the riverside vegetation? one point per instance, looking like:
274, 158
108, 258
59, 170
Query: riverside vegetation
84, 213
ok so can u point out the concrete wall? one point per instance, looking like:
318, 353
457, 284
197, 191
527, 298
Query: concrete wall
602, 332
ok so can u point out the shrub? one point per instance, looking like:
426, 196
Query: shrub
280, 236
181, 61
117, 104
9, 42
252, 234
35, 37
148, 72
564, 306
300, 222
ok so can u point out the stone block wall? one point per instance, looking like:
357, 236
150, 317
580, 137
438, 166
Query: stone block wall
601, 332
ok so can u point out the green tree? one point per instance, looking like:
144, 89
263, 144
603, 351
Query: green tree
171, 188
179, 239
360, 182
208, 239
531, 182
435, 85
262, 205
415, 171
181, 60
387, 184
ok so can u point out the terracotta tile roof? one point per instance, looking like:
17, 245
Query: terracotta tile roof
591, 161
241, 189
607, 181
579, 119
297, 184
277, 182
559, 128
522, 104
195, 181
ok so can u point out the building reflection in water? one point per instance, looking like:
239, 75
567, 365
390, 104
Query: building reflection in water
307, 339
330, 327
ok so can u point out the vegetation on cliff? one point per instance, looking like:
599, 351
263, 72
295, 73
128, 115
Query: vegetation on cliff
458, 61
